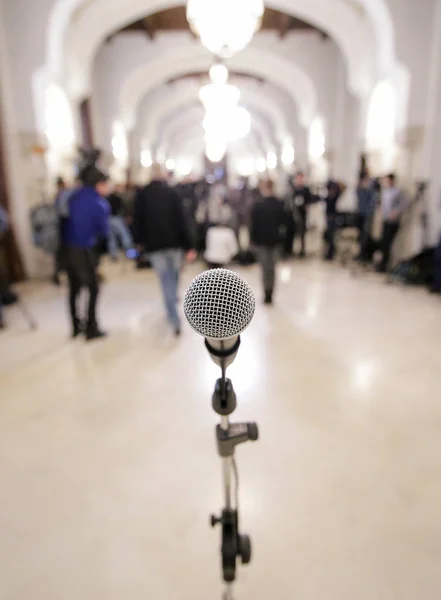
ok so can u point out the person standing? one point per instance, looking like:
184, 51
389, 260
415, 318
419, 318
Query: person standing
365, 211
58, 257
297, 211
334, 190
119, 232
87, 222
393, 204
267, 219
161, 229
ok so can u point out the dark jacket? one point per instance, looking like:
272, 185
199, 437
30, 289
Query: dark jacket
299, 200
332, 198
116, 205
365, 200
159, 221
88, 218
267, 218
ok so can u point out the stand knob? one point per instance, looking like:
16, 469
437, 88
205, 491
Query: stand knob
253, 431
245, 549
215, 520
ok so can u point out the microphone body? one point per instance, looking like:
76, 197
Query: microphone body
219, 305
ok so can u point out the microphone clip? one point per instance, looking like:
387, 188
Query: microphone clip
220, 353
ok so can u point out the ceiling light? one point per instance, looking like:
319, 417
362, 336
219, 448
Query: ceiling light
261, 165
146, 158
219, 95
184, 167
170, 164
219, 74
271, 160
225, 27
215, 150
287, 154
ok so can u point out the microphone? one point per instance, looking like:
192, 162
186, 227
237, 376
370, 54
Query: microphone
219, 305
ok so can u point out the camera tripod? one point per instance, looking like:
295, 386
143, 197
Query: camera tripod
235, 545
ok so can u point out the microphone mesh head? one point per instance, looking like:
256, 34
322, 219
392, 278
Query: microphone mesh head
219, 304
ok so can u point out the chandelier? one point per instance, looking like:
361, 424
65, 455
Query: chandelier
225, 27
224, 120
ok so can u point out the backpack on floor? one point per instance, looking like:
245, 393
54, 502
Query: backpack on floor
45, 227
418, 270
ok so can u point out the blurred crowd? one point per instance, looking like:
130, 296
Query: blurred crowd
160, 224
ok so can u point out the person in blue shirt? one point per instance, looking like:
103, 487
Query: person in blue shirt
366, 198
86, 225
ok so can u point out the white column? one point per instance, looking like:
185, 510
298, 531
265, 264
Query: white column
16, 174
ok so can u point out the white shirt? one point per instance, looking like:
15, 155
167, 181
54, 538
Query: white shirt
221, 245
392, 200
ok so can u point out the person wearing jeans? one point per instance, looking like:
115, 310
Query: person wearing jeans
267, 219
119, 232
168, 264
87, 222
161, 229
393, 203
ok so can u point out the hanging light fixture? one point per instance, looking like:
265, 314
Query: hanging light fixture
225, 27
224, 120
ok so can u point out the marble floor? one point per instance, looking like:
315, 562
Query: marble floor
108, 468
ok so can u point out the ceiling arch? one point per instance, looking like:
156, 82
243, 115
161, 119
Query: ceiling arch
174, 126
366, 39
171, 98
186, 58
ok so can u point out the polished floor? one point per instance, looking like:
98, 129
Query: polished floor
108, 468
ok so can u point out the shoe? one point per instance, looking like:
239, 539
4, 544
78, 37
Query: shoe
78, 329
56, 280
302, 255
95, 334
435, 290
178, 332
2, 324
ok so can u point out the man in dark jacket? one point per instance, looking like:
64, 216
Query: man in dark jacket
161, 229
88, 221
267, 218
296, 209
334, 191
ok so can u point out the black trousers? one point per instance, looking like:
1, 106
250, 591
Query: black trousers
289, 234
390, 230
331, 226
300, 231
81, 264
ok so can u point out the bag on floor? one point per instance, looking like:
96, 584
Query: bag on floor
8, 297
418, 270
246, 258
45, 227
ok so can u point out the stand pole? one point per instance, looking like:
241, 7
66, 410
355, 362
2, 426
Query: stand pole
228, 435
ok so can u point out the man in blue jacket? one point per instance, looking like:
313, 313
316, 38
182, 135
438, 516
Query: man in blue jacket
87, 223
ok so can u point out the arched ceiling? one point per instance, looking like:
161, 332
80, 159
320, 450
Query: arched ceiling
365, 37
169, 98
191, 56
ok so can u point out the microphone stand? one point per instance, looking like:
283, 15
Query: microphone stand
228, 435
